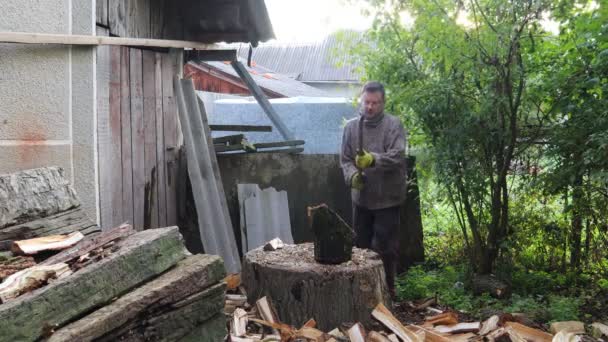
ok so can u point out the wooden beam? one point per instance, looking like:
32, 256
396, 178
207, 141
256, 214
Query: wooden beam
74, 39
280, 144
211, 55
241, 128
232, 139
262, 100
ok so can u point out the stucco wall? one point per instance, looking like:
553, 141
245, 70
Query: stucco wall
47, 94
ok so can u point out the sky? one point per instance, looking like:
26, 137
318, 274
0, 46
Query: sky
313, 20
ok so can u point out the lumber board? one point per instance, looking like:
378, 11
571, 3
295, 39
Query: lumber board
173, 322
190, 276
61, 223
170, 133
115, 160
150, 140
214, 224
101, 12
161, 182
283, 150
90, 243
141, 257
231, 139
126, 136
35, 193
280, 144
137, 137
115, 28
241, 128
262, 100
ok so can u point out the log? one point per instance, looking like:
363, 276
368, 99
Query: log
302, 289
190, 276
90, 243
139, 258
174, 321
333, 237
46, 243
29, 279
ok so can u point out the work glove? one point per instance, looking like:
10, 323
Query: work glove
356, 181
364, 160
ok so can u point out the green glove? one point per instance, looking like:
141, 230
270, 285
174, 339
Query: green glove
356, 181
365, 160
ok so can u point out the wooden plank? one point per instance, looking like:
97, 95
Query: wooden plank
104, 139
280, 144
241, 128
262, 100
116, 169
150, 140
192, 275
231, 139
141, 257
161, 181
125, 120
138, 24
214, 223
101, 12
137, 138
117, 17
75, 39
157, 18
170, 135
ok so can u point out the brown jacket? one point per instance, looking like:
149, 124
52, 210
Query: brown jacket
384, 138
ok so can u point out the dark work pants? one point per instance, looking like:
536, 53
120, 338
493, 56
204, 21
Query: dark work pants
378, 230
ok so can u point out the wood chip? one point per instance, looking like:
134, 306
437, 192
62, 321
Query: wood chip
29, 279
382, 314
273, 245
46, 243
446, 318
489, 325
233, 281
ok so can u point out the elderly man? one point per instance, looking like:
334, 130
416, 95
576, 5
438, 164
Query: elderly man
373, 162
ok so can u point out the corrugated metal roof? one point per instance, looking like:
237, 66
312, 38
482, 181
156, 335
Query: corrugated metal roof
307, 62
267, 79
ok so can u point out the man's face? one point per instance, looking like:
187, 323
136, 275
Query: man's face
373, 103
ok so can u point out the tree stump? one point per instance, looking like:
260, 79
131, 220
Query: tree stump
333, 237
301, 288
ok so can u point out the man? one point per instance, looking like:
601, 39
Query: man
376, 175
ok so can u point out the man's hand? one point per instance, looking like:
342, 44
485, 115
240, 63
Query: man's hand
356, 181
364, 160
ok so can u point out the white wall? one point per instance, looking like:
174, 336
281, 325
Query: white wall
48, 94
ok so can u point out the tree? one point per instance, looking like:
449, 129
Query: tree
460, 74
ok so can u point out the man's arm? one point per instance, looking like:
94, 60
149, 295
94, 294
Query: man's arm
347, 156
395, 153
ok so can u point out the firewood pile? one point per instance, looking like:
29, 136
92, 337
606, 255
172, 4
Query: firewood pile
260, 322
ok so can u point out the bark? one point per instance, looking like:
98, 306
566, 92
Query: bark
300, 288
577, 222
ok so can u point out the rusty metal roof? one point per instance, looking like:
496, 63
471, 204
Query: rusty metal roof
325, 61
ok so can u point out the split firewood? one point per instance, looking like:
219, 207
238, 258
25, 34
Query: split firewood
564, 336
446, 318
238, 324
458, 328
504, 335
489, 325
434, 311
598, 330
266, 310
427, 303
336, 335
30, 279
311, 334
15, 264
233, 281
430, 335
375, 336
273, 245
357, 333
529, 334
90, 243
567, 327
393, 338
311, 323
46, 243
382, 314
288, 333
467, 337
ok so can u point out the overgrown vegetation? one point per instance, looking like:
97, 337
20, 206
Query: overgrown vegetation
506, 106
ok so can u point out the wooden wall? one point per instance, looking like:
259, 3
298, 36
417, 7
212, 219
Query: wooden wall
137, 137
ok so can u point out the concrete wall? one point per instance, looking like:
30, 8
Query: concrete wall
338, 89
47, 94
